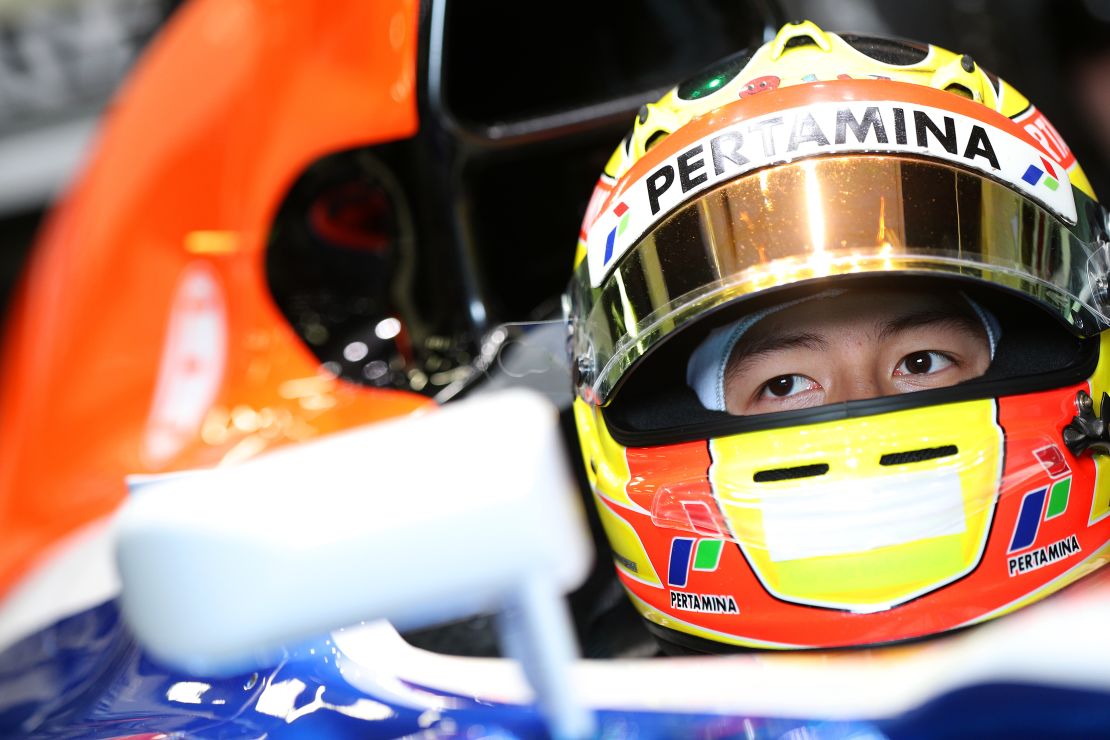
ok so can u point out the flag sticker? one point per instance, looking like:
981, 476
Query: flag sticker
1039, 505
705, 556
1034, 174
1052, 460
621, 211
701, 518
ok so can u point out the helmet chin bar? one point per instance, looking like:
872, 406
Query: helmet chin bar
1087, 430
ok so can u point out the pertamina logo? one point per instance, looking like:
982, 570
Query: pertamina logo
706, 556
621, 211
697, 554
1046, 177
1040, 505
825, 128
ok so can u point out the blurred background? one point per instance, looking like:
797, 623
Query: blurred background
62, 61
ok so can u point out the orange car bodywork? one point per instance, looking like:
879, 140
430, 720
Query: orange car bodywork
231, 102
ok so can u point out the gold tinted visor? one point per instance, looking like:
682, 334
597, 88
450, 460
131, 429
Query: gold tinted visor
823, 217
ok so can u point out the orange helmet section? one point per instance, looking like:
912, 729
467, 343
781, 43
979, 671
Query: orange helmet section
143, 337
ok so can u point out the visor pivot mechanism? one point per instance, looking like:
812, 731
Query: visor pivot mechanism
1088, 431
1098, 274
577, 372
581, 372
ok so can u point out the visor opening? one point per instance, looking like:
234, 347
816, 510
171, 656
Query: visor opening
654, 405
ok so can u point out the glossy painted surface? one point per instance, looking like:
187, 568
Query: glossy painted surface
143, 337
85, 677
1003, 571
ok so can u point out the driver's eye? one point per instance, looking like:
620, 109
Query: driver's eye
923, 363
781, 386
787, 385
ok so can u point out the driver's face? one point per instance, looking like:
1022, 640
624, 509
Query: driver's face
853, 346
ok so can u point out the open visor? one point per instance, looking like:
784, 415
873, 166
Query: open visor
820, 217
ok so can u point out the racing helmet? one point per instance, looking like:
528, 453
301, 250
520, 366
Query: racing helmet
815, 164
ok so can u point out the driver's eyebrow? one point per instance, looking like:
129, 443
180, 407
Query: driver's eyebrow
747, 351
929, 317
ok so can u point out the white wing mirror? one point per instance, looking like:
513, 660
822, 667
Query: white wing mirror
462, 510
